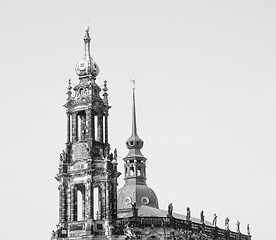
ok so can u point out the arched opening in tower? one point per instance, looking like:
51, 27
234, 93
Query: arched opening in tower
131, 171
81, 125
80, 205
96, 210
139, 171
96, 137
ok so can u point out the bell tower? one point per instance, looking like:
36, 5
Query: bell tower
87, 170
135, 189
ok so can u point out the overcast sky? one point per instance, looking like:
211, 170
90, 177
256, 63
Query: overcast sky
206, 103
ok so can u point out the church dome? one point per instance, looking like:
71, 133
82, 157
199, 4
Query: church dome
140, 194
87, 66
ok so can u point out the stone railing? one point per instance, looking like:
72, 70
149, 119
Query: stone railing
189, 229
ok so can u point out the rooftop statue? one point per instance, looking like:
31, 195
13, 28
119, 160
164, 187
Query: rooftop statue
202, 216
170, 210
188, 216
215, 220
227, 223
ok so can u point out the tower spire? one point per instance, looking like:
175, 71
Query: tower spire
134, 126
134, 143
135, 189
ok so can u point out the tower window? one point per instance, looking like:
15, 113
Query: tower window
131, 172
139, 171
81, 125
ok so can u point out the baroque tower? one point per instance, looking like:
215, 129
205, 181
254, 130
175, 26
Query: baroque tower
135, 189
87, 170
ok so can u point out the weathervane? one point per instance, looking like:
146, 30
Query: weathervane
87, 22
133, 83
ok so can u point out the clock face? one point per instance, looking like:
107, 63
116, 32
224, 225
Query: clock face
127, 200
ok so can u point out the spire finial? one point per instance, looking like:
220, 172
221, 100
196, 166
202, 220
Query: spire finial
69, 93
87, 66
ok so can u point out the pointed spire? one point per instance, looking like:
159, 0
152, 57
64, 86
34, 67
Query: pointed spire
134, 127
134, 142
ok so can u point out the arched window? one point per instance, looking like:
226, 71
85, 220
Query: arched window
96, 203
81, 125
139, 173
131, 171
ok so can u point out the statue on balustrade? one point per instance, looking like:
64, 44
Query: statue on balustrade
227, 223
202, 216
215, 220
248, 230
188, 216
238, 226
170, 210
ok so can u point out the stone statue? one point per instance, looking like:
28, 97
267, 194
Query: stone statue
188, 216
134, 210
62, 156
115, 154
202, 216
238, 226
215, 220
248, 230
129, 232
106, 152
170, 210
227, 223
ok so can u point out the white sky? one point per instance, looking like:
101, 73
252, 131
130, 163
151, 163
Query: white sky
206, 103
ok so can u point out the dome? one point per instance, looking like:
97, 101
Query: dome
134, 142
87, 66
141, 194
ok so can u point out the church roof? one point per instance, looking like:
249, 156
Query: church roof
146, 211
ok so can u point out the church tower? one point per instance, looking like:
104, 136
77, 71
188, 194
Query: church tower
135, 189
87, 170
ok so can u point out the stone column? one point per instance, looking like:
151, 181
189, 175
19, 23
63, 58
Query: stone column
100, 128
100, 201
68, 127
106, 129
92, 125
83, 203
88, 200
69, 203
88, 120
74, 204
107, 202
114, 197
74, 127
62, 203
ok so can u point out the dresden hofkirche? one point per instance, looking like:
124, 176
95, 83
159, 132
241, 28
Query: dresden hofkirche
90, 204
